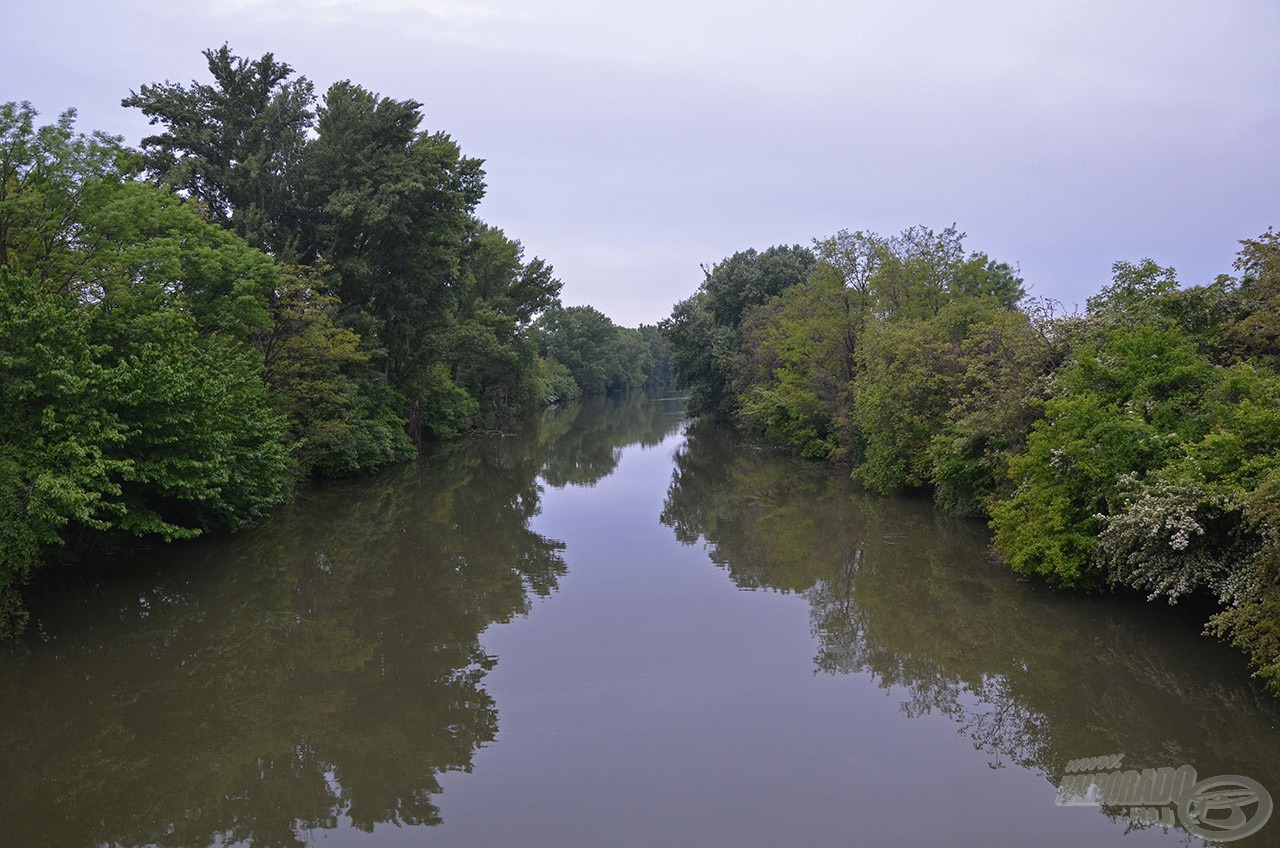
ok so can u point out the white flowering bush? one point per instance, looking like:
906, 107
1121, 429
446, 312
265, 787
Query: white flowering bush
1156, 541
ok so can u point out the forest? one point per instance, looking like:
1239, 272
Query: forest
1132, 446
275, 285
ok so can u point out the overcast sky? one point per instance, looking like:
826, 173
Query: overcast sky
630, 142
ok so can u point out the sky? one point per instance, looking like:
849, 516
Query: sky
631, 143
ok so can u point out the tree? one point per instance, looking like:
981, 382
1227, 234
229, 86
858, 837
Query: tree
749, 278
59, 463
354, 189
599, 356
795, 364
1122, 406
1256, 329
657, 360
233, 145
916, 272
495, 276
491, 349
1004, 362
704, 330
137, 404
44, 172
701, 352
388, 208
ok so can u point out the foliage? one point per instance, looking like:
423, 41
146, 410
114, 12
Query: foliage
556, 384
1133, 447
996, 398
378, 214
795, 362
749, 278
300, 286
232, 145
136, 406
57, 434
701, 353
704, 330
1122, 406
599, 356
492, 349
1256, 330
656, 350
1252, 618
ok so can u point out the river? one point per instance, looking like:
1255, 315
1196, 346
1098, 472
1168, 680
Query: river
616, 628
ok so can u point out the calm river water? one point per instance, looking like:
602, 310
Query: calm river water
618, 628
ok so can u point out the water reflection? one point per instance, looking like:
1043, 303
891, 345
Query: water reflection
589, 451
320, 672
902, 593
325, 672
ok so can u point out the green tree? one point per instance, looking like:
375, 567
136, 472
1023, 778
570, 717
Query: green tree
704, 330
60, 467
1124, 405
354, 189
137, 403
901, 397
1003, 368
750, 277
599, 355
1255, 330
44, 174
491, 346
795, 364
389, 210
657, 358
701, 352
233, 145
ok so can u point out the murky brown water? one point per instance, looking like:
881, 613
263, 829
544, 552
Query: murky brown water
616, 629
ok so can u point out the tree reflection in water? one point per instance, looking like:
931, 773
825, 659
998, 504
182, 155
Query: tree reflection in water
319, 672
901, 592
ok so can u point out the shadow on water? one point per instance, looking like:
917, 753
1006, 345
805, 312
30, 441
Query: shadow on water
912, 598
320, 671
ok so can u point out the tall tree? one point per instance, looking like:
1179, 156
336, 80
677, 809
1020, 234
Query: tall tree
750, 277
232, 144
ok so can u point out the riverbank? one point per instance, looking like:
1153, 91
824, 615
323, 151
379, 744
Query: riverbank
1133, 447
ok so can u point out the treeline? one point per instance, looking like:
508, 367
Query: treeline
1134, 446
275, 285
600, 357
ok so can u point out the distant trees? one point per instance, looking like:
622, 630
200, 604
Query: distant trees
1133, 446
601, 357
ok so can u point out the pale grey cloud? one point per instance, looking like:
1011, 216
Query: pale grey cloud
629, 142
343, 11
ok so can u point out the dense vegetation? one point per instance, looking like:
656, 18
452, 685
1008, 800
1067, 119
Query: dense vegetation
1135, 446
276, 285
